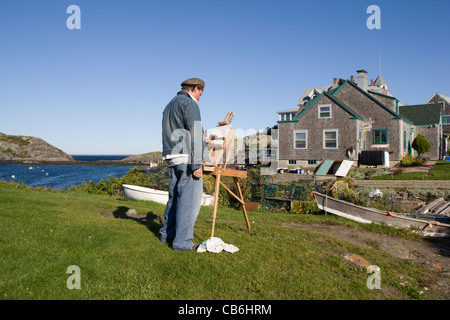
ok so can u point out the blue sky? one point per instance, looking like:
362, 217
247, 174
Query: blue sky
102, 89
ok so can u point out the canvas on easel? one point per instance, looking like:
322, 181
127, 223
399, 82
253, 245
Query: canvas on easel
221, 151
221, 147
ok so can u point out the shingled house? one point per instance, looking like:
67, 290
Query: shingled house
445, 102
341, 121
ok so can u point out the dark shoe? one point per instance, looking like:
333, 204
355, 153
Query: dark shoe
194, 248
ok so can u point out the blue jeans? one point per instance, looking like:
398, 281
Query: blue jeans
183, 206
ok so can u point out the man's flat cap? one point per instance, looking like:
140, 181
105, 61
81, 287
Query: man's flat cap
194, 82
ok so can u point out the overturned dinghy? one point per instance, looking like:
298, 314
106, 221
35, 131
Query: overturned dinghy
133, 192
361, 214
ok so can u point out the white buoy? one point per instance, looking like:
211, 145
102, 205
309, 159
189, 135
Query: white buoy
13, 176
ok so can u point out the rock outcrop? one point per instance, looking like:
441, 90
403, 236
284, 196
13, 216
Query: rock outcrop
147, 158
23, 149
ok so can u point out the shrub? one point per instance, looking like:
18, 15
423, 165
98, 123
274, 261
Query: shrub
309, 206
409, 161
421, 144
156, 178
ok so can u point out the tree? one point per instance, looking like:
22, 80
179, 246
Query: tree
421, 144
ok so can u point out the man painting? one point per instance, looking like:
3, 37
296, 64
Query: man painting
183, 145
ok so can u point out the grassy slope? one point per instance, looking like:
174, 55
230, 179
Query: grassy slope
440, 171
44, 232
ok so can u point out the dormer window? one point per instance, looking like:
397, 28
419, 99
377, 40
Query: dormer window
287, 116
324, 111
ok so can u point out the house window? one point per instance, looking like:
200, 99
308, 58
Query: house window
380, 136
325, 111
301, 139
446, 119
330, 139
292, 161
410, 143
404, 140
287, 116
312, 161
360, 139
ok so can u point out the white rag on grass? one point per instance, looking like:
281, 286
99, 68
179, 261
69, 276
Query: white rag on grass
216, 245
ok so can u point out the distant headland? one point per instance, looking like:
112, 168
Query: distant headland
32, 150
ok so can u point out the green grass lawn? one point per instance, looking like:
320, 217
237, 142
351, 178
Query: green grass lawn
440, 171
45, 232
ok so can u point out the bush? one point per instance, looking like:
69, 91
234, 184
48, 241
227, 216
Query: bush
156, 178
409, 161
309, 207
397, 172
421, 144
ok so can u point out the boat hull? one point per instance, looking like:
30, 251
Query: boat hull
133, 192
371, 215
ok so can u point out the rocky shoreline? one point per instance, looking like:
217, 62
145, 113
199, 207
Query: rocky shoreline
123, 162
31, 150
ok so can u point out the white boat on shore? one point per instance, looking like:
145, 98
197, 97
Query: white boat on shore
369, 215
133, 192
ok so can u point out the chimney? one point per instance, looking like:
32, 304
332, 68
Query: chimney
362, 79
335, 80
371, 82
352, 79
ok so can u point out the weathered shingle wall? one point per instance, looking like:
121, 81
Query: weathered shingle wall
378, 116
340, 120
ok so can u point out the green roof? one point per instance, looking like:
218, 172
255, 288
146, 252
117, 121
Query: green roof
422, 114
308, 106
345, 107
394, 114
331, 97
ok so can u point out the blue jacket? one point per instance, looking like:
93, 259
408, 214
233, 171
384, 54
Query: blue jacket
182, 130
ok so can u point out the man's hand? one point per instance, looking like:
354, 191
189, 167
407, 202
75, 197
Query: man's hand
198, 173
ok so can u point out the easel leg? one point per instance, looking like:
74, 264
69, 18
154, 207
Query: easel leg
216, 202
242, 206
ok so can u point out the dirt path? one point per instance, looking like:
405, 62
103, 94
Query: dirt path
434, 254
437, 253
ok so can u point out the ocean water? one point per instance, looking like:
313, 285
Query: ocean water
63, 176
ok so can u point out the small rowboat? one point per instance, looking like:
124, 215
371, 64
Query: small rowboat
361, 214
133, 192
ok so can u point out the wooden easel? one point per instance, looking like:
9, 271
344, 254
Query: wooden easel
224, 144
